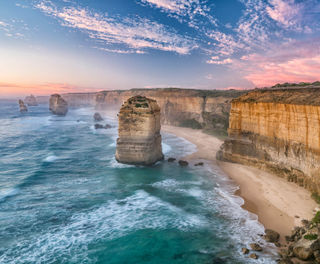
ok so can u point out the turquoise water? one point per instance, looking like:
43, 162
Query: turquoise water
64, 199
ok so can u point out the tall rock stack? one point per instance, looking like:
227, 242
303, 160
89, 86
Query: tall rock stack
139, 139
31, 100
58, 105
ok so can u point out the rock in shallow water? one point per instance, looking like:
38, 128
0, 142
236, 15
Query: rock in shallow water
57, 105
139, 140
271, 236
23, 107
97, 117
183, 163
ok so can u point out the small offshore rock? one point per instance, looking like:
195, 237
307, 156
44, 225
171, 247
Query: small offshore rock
271, 236
253, 256
199, 164
23, 107
97, 117
245, 251
255, 247
183, 163
171, 159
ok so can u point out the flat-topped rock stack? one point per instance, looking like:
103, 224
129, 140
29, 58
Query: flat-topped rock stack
58, 105
139, 140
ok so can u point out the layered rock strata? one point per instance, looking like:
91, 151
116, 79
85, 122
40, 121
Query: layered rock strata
23, 108
180, 107
57, 105
277, 130
31, 100
139, 140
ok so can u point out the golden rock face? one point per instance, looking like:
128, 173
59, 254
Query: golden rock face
139, 140
281, 136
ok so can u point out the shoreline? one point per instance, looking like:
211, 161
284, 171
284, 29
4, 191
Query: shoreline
280, 205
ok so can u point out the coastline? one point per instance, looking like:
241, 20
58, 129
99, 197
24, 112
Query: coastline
279, 205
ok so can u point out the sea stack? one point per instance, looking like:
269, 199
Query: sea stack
31, 100
139, 141
23, 107
58, 105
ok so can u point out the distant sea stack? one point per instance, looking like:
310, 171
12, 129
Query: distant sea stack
31, 100
58, 105
139, 141
23, 107
277, 130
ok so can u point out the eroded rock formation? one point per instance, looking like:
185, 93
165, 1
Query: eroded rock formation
58, 105
277, 130
139, 140
23, 107
31, 100
97, 117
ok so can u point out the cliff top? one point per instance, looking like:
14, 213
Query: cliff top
300, 96
181, 92
140, 104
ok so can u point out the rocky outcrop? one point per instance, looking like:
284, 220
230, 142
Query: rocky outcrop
23, 107
58, 105
31, 100
139, 140
277, 130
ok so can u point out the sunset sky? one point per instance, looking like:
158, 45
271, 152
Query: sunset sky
88, 45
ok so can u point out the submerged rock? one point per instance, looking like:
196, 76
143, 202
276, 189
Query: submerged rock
253, 256
199, 164
58, 105
23, 107
245, 251
97, 117
99, 126
183, 163
255, 247
31, 100
139, 140
171, 159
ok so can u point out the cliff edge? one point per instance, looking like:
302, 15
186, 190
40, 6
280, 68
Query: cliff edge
139, 140
279, 131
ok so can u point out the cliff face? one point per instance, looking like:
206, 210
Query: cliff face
139, 139
278, 131
57, 105
180, 107
80, 99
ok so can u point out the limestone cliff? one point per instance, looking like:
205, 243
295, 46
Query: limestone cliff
277, 130
180, 107
139, 140
58, 105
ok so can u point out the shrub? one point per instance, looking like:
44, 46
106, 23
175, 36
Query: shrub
316, 197
316, 218
311, 236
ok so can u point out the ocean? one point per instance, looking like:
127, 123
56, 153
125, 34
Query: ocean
65, 199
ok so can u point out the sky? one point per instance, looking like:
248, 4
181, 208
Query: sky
63, 46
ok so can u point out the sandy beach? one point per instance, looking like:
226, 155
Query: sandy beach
280, 205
